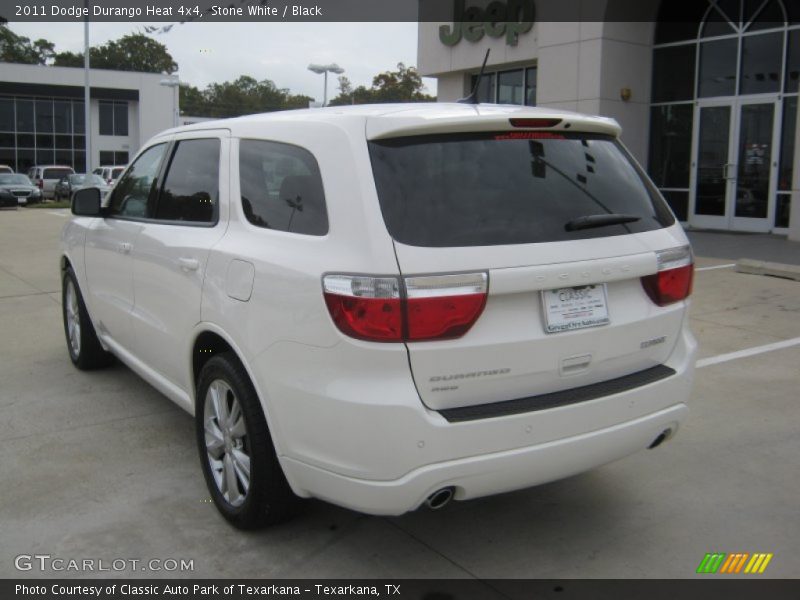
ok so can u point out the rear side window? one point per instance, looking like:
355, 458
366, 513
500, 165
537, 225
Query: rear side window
191, 186
56, 173
508, 188
281, 187
131, 196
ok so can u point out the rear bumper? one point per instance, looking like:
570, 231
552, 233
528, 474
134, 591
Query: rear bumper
368, 444
488, 474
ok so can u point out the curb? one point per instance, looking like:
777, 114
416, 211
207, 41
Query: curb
773, 269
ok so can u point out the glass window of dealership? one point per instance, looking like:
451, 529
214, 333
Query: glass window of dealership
45, 131
724, 115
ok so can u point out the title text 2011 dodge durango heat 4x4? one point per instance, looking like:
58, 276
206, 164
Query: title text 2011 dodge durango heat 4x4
387, 306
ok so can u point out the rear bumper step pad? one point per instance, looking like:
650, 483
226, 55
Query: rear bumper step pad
556, 399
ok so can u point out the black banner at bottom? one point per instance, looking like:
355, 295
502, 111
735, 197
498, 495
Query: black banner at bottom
406, 589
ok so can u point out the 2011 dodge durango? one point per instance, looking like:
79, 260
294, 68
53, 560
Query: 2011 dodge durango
389, 306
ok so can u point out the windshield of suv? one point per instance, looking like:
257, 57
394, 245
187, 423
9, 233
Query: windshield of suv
8, 179
517, 187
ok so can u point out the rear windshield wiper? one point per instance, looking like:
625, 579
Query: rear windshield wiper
591, 221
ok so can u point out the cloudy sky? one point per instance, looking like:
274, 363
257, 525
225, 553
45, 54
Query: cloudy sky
209, 52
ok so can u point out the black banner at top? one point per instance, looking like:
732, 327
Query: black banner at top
181, 11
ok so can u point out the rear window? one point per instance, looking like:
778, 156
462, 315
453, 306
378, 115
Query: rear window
115, 173
56, 173
509, 188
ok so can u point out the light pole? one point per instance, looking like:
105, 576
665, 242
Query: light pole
87, 96
175, 83
332, 68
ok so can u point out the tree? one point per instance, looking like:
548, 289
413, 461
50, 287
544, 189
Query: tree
345, 87
137, 52
402, 85
19, 49
133, 52
191, 100
243, 96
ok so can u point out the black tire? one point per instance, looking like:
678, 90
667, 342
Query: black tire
87, 354
268, 499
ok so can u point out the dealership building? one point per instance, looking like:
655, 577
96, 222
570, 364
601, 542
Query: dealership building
707, 101
42, 114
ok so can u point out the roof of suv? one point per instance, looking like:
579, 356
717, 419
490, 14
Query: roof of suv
394, 120
50, 167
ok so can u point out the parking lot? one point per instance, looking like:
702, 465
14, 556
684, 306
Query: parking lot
100, 465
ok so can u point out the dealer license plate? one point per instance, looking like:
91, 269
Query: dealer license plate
578, 307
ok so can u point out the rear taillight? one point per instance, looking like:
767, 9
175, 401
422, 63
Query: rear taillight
444, 306
40, 184
378, 309
367, 308
673, 281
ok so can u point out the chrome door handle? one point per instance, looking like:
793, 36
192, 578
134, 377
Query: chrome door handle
189, 264
124, 247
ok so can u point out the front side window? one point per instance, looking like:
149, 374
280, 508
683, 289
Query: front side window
281, 187
509, 188
132, 194
191, 185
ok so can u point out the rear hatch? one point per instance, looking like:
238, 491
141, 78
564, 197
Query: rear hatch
565, 226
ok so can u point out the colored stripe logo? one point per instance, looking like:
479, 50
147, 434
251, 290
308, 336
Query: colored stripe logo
734, 563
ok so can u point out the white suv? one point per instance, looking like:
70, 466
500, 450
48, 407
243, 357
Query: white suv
389, 306
45, 177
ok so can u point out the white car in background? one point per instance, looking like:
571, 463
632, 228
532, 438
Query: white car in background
109, 173
389, 306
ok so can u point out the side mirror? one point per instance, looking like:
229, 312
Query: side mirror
86, 203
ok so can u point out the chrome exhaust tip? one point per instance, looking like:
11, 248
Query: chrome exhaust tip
440, 498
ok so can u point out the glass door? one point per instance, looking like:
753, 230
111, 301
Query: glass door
735, 164
756, 166
713, 169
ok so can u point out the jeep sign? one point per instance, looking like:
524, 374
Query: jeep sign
498, 18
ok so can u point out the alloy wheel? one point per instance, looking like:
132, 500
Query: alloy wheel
227, 447
73, 318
